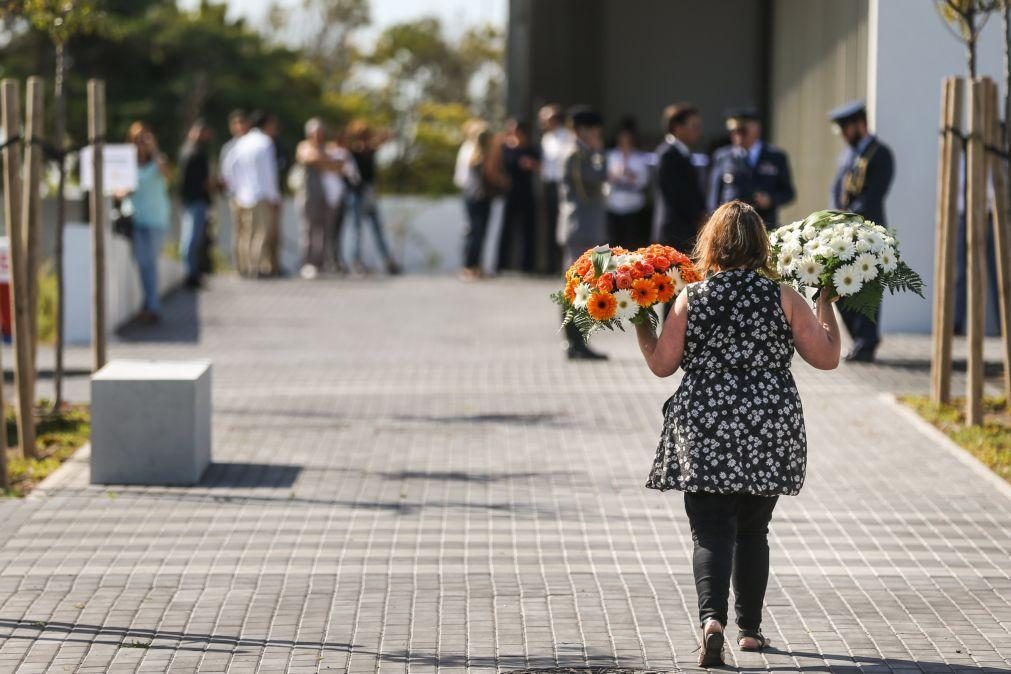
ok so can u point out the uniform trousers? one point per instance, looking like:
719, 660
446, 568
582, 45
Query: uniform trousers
730, 535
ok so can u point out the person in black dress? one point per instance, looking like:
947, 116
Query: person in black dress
521, 161
733, 438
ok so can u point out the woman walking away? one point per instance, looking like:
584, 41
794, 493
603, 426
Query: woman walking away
483, 182
319, 190
150, 207
627, 178
733, 438
363, 144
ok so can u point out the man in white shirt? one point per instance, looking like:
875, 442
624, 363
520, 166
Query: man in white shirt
557, 142
250, 171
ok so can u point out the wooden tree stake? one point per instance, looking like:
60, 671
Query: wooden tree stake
975, 229
31, 218
10, 112
953, 91
96, 133
1001, 223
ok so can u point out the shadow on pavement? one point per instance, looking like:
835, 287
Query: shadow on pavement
991, 369
238, 474
180, 322
155, 639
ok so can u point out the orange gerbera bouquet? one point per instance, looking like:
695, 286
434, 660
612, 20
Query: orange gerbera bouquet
608, 287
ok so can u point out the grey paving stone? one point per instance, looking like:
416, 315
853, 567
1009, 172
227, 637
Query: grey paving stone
408, 476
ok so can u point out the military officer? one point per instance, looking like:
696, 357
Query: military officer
866, 168
582, 221
750, 169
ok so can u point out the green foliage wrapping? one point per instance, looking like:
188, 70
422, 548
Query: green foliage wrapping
866, 301
903, 279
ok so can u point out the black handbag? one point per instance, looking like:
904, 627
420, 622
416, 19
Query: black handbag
122, 223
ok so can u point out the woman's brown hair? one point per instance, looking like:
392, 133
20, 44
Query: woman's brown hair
734, 237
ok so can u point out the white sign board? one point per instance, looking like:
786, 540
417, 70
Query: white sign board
5, 260
119, 169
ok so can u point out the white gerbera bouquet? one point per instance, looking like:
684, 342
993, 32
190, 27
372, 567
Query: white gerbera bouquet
843, 254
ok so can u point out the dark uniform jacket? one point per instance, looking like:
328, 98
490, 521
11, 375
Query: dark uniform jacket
680, 201
582, 221
733, 177
863, 181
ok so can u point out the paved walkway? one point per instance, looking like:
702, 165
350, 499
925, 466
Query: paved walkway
409, 476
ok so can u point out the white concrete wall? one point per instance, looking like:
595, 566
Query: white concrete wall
426, 234
910, 51
123, 291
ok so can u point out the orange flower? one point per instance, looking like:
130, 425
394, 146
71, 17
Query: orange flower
623, 280
643, 269
570, 290
661, 262
664, 288
602, 306
644, 292
605, 283
689, 274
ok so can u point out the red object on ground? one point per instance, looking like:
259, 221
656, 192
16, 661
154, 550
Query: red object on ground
5, 309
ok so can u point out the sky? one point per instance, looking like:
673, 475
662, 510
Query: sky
456, 15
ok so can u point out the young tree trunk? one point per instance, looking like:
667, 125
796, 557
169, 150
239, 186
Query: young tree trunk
61, 216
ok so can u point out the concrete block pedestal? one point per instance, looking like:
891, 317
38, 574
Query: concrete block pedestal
150, 422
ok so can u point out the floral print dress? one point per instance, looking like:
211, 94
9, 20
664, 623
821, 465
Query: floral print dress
735, 425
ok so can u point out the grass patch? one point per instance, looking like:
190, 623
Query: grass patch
57, 437
990, 442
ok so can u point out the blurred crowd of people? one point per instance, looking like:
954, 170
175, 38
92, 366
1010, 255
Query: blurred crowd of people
570, 192
333, 178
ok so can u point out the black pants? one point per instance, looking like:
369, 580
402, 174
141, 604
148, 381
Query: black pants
516, 243
866, 333
628, 230
478, 211
549, 239
730, 532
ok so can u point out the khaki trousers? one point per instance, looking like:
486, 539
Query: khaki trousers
253, 225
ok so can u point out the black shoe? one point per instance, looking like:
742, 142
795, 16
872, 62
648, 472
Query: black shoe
584, 353
194, 283
860, 356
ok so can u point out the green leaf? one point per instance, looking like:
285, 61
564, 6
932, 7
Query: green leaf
600, 260
903, 279
866, 301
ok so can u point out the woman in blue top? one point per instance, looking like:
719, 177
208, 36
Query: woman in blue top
151, 211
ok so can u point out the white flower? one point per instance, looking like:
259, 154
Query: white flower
627, 307
675, 279
843, 248
787, 261
862, 245
809, 232
583, 292
887, 259
847, 280
875, 240
809, 270
867, 264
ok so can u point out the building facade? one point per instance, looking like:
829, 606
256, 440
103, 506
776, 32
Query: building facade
792, 59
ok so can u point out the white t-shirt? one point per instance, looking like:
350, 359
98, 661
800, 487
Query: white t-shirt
627, 178
250, 170
555, 147
462, 169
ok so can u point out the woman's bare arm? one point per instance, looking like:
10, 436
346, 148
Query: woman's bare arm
815, 333
663, 354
